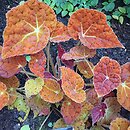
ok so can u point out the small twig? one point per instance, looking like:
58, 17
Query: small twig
89, 65
52, 66
45, 121
48, 56
31, 74
25, 72
89, 84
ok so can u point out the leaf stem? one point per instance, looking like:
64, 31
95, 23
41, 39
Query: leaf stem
31, 74
49, 60
45, 121
25, 72
89, 84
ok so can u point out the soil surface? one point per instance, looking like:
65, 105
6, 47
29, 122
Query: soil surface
9, 118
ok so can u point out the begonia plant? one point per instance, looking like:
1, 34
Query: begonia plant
30, 31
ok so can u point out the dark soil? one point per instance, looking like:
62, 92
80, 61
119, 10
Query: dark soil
9, 118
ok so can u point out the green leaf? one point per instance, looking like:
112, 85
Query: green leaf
47, 2
28, 58
64, 6
64, 13
109, 17
52, 5
33, 86
94, 2
70, 13
21, 105
21, 2
121, 19
122, 10
117, 13
108, 22
115, 17
25, 127
111, 1
105, 3
58, 10
50, 124
109, 7
70, 7
128, 10
126, 2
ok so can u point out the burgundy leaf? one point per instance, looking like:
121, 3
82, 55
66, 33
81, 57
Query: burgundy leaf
98, 112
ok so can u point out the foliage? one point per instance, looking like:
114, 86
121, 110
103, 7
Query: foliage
66, 7
81, 90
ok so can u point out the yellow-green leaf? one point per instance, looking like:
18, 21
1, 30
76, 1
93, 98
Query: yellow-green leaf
33, 86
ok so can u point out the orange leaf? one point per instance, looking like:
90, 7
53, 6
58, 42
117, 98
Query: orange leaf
84, 69
92, 97
4, 96
9, 67
51, 91
125, 71
123, 94
79, 52
60, 33
90, 26
72, 85
28, 28
119, 124
11, 83
37, 64
70, 110
106, 76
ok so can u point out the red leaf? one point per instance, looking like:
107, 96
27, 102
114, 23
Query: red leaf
61, 51
79, 52
11, 66
72, 85
123, 94
28, 28
60, 33
11, 83
37, 63
91, 28
98, 112
106, 76
125, 71
4, 96
70, 110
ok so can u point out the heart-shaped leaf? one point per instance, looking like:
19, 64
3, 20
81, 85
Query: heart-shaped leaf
11, 83
119, 124
98, 112
123, 94
28, 28
70, 110
61, 51
38, 106
92, 30
37, 64
125, 71
9, 67
59, 124
106, 76
113, 108
72, 85
85, 69
79, 52
51, 91
33, 86
4, 96
60, 33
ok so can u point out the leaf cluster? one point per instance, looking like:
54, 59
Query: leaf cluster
62, 83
